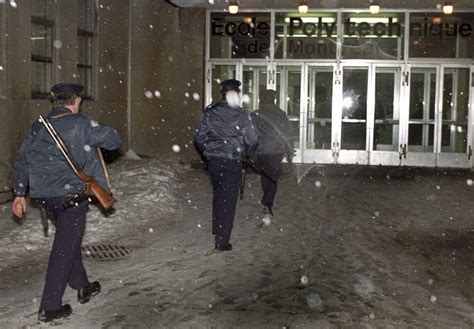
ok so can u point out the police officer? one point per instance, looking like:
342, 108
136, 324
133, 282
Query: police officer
42, 170
224, 135
273, 129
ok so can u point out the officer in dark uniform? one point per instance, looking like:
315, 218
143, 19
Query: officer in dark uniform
224, 135
42, 170
273, 129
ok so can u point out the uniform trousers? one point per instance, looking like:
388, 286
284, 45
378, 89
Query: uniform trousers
225, 178
65, 260
272, 164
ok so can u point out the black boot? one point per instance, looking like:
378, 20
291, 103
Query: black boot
267, 210
47, 316
85, 294
227, 247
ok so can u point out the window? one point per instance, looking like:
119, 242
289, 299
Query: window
441, 36
240, 36
369, 36
85, 40
301, 36
42, 25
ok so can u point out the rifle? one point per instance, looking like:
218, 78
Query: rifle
253, 163
105, 199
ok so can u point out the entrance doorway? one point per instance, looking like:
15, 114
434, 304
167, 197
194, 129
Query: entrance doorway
366, 113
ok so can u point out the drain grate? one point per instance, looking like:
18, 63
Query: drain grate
105, 251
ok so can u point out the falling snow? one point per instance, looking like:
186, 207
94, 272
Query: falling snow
148, 94
57, 44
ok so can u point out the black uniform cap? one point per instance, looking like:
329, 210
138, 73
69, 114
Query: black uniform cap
71, 88
230, 84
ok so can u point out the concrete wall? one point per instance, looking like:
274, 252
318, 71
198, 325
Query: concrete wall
167, 56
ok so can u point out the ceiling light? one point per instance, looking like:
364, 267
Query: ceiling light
374, 7
233, 8
448, 8
303, 7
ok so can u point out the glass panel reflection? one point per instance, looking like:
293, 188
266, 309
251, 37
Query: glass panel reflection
422, 104
219, 74
244, 35
312, 35
320, 108
254, 82
372, 36
386, 126
354, 108
41, 40
455, 110
289, 89
441, 36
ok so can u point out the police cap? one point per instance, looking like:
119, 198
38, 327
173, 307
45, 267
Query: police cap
230, 84
70, 88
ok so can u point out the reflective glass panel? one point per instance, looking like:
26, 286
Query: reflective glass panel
42, 8
354, 108
220, 73
254, 82
386, 125
369, 36
289, 88
40, 78
455, 110
41, 43
442, 36
422, 105
312, 35
245, 35
86, 15
320, 108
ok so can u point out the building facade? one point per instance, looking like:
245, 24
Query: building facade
139, 59
394, 88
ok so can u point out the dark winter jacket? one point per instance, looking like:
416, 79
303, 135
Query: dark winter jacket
225, 132
273, 128
42, 167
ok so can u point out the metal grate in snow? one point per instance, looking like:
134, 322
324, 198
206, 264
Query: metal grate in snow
105, 251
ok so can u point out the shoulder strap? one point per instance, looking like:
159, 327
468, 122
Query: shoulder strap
61, 115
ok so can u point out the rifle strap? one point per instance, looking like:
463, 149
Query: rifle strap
101, 158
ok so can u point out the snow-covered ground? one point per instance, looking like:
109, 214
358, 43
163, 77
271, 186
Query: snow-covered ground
347, 248
145, 190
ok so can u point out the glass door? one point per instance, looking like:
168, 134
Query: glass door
288, 80
455, 148
420, 150
384, 116
354, 144
438, 130
254, 81
217, 73
319, 115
